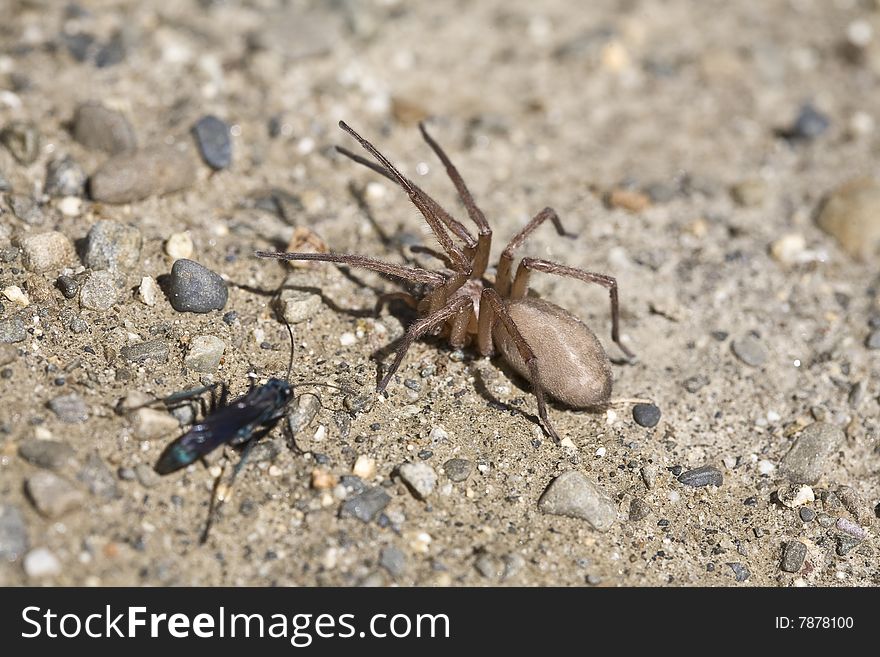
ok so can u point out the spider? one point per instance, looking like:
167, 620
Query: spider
545, 344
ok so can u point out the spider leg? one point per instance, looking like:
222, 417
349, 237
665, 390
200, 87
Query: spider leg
418, 199
398, 271
491, 302
427, 250
505, 263
419, 328
454, 225
385, 299
527, 265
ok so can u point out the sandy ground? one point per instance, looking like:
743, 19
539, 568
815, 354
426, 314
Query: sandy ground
538, 104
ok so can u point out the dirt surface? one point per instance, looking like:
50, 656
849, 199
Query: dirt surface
677, 106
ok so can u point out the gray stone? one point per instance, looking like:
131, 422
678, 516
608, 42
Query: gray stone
52, 495
853, 503
138, 175
793, 556
100, 291
639, 509
807, 514
46, 251
489, 567
111, 245
706, 475
649, 475
23, 141
809, 124
195, 288
420, 478
851, 214
136, 353
845, 544
70, 408
695, 383
26, 208
740, 571
214, 141
806, 460
873, 340
366, 505
393, 560
98, 477
646, 415
573, 494
100, 128
49, 454
749, 350
13, 533
297, 306
204, 354
64, 177
458, 469
12, 330
68, 286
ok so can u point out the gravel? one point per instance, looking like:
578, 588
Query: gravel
204, 354
740, 571
49, 454
68, 286
195, 288
365, 506
13, 533
393, 560
307, 407
112, 245
64, 177
420, 478
156, 350
807, 514
639, 509
12, 330
100, 291
851, 214
706, 475
151, 423
793, 556
873, 340
98, 477
214, 141
458, 470
646, 415
749, 350
853, 503
52, 495
297, 306
100, 128
807, 458
70, 408
845, 544
809, 124
851, 528
27, 209
572, 494
155, 171
46, 251
22, 139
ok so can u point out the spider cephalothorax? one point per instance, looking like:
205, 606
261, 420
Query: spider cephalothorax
556, 352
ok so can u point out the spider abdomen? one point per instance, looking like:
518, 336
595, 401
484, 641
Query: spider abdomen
572, 364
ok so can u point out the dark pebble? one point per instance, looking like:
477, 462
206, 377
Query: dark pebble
807, 514
9, 253
646, 415
873, 340
824, 520
793, 556
153, 171
809, 124
457, 469
111, 53
740, 571
393, 560
703, 476
845, 544
365, 506
23, 141
214, 141
155, 349
230, 317
68, 286
101, 128
49, 454
79, 45
64, 177
13, 533
639, 509
195, 288
12, 330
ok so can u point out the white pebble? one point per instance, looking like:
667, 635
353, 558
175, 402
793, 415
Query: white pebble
347, 339
179, 245
765, 467
148, 291
364, 467
600, 452
859, 33
16, 295
40, 562
70, 206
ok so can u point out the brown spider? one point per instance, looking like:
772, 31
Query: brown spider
547, 345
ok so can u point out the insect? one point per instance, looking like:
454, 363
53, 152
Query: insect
547, 345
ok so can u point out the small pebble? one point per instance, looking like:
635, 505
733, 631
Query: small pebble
146, 475
873, 340
97, 477
12, 330
572, 494
805, 461
789, 249
40, 562
366, 505
488, 566
100, 128
69, 286
702, 476
100, 291
646, 415
151, 349
46, 251
695, 383
824, 520
140, 174
321, 479
204, 354
419, 477
851, 528
112, 245
749, 193
23, 141
297, 306
845, 544
307, 408
214, 141
809, 124
807, 514
16, 295
649, 475
64, 177
457, 470
364, 467
740, 571
853, 503
13, 533
639, 509
70, 409
26, 208
49, 454
393, 560
851, 214
795, 495
793, 556
630, 200
151, 423
148, 291
52, 495
195, 288
749, 350
179, 245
